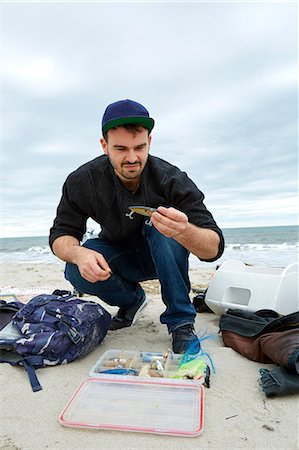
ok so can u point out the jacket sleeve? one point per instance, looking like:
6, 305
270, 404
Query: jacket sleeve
185, 196
72, 213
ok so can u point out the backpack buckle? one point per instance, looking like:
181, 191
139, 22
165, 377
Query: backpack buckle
74, 336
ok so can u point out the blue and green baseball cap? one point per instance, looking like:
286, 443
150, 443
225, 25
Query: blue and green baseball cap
125, 112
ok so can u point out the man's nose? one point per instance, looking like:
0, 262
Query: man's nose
131, 156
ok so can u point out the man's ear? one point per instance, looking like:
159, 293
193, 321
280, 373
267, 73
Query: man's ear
104, 145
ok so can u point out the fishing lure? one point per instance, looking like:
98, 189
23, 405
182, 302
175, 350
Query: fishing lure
192, 370
196, 366
120, 371
143, 211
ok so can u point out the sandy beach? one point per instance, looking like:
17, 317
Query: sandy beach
237, 413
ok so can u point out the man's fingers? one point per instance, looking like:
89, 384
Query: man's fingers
158, 219
92, 274
102, 262
164, 229
172, 213
169, 217
169, 221
99, 269
95, 278
93, 266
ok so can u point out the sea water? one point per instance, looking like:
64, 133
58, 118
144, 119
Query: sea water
263, 246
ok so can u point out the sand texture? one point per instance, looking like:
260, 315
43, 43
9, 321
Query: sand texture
237, 413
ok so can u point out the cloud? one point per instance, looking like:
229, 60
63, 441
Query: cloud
39, 77
219, 78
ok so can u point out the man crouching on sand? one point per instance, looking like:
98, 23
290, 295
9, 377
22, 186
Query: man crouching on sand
132, 248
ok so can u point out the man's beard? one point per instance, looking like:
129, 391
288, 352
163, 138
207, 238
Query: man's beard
124, 172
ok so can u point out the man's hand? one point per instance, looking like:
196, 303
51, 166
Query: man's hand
92, 265
169, 221
172, 223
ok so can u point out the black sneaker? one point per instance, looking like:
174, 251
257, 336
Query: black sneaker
126, 317
184, 339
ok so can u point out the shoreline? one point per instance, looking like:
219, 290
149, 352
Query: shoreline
30, 276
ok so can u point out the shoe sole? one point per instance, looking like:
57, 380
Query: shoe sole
141, 308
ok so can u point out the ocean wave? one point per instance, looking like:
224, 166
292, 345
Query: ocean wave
267, 255
39, 250
31, 255
258, 246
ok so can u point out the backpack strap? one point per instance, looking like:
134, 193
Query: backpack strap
40, 300
70, 331
31, 363
66, 326
10, 306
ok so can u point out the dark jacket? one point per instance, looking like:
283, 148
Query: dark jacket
93, 190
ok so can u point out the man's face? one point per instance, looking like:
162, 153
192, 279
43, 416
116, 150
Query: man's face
128, 152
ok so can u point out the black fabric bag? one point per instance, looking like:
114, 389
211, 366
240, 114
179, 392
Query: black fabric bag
252, 324
265, 336
279, 381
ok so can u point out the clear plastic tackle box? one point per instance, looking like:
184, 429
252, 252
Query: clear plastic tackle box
134, 391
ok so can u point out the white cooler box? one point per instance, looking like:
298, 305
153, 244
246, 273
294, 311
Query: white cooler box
238, 286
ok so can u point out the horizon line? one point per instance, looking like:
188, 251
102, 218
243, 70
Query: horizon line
222, 228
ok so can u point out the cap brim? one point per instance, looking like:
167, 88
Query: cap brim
146, 122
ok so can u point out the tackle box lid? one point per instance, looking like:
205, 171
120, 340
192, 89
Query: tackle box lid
162, 406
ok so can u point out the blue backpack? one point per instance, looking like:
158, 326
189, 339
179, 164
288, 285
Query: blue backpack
51, 329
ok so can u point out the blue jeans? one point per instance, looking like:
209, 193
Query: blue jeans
146, 257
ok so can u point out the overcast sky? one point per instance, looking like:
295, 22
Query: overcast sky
220, 80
